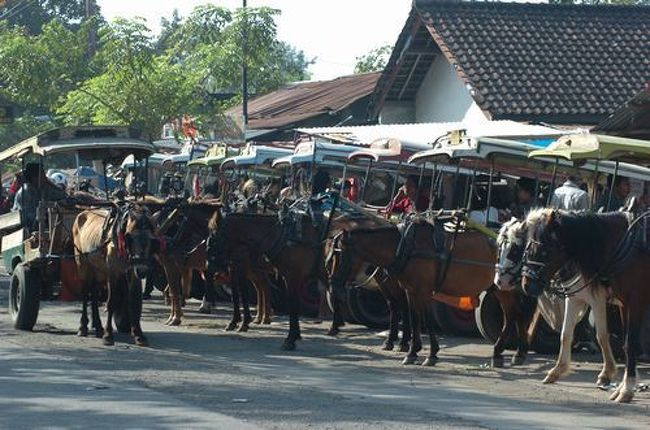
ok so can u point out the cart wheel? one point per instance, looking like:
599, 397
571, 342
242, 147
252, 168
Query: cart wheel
368, 307
24, 297
489, 320
547, 340
454, 321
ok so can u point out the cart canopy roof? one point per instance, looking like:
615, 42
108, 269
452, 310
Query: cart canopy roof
580, 147
255, 155
214, 156
108, 143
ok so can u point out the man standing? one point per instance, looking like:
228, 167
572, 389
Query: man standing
570, 196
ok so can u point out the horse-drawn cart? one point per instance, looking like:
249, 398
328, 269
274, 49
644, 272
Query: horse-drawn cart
36, 240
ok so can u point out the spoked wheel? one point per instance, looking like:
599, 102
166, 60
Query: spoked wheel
455, 321
368, 307
24, 297
489, 320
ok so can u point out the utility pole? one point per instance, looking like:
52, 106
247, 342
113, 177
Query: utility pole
91, 11
244, 70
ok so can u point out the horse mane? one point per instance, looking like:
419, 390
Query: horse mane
509, 230
585, 236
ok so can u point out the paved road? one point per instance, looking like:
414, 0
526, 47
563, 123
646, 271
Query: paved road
197, 376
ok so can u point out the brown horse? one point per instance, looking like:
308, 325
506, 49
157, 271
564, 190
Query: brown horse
113, 248
345, 268
603, 249
185, 228
239, 241
423, 272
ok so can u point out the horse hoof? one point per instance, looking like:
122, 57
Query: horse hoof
141, 341
108, 341
409, 359
83, 332
231, 325
175, 322
99, 333
288, 346
404, 347
624, 397
388, 346
333, 331
266, 322
205, 310
257, 322
603, 382
497, 362
517, 360
550, 378
243, 328
430, 361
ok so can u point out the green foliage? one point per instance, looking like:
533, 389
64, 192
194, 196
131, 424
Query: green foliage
373, 61
193, 68
22, 128
137, 87
34, 15
35, 71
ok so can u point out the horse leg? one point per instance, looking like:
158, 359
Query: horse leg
236, 315
432, 359
266, 319
243, 290
597, 299
523, 317
110, 308
625, 391
134, 296
259, 309
406, 321
572, 305
505, 299
94, 306
174, 276
393, 332
294, 309
83, 322
416, 341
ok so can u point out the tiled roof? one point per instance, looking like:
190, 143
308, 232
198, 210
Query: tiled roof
555, 63
297, 102
630, 120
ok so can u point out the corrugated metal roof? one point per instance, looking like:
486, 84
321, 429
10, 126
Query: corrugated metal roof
630, 120
300, 101
425, 133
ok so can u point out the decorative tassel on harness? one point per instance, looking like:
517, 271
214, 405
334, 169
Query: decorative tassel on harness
121, 245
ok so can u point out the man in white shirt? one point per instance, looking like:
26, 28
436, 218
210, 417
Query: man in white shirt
570, 196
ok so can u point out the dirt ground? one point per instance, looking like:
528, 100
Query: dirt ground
197, 369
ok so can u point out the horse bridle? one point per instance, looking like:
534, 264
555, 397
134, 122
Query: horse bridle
514, 258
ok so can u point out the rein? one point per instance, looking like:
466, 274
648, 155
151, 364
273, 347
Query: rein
618, 257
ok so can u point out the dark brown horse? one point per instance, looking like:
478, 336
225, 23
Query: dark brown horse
422, 272
238, 241
603, 249
112, 249
346, 267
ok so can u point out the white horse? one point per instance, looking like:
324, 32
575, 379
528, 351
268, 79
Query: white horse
507, 276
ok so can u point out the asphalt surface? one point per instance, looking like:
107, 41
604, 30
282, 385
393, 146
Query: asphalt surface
198, 376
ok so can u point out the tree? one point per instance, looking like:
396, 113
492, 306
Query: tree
373, 61
36, 71
137, 88
34, 15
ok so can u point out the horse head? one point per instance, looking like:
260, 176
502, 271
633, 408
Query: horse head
140, 240
544, 254
511, 243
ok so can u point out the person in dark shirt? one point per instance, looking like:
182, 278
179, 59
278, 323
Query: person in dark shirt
619, 196
525, 197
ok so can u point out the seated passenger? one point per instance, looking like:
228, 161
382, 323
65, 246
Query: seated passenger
29, 194
480, 212
525, 197
404, 200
